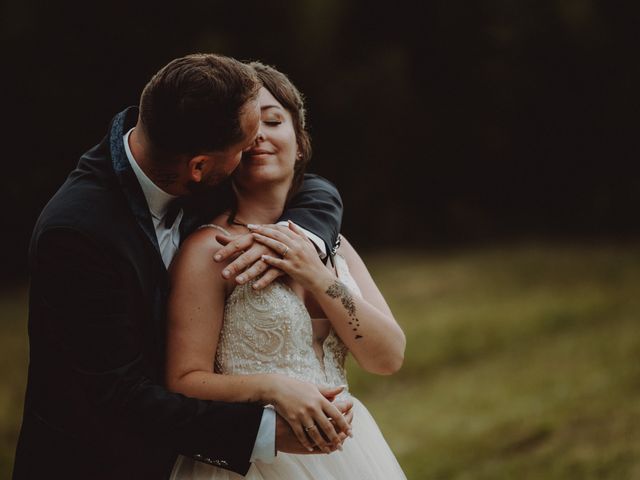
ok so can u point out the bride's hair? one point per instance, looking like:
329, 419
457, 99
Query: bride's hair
292, 100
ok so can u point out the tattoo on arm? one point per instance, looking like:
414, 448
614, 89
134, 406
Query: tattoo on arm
339, 290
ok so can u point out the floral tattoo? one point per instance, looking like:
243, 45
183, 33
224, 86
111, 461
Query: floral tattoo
338, 290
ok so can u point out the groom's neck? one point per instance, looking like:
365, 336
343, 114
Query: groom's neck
164, 177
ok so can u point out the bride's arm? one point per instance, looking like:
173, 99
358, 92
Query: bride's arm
365, 324
194, 320
383, 352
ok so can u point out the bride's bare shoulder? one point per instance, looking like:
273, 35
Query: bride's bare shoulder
202, 242
196, 253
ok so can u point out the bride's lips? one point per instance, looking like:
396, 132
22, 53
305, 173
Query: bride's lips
254, 152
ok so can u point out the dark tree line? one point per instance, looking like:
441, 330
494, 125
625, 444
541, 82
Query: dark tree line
440, 121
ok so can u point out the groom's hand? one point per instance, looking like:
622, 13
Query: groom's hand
287, 442
249, 264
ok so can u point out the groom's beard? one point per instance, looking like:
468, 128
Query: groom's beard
208, 183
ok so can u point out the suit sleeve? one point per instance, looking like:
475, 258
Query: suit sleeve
91, 318
317, 207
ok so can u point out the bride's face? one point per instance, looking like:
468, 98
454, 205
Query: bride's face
273, 155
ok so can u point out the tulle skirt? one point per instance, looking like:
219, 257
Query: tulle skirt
366, 456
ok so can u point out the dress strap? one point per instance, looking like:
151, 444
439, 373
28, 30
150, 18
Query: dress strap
217, 227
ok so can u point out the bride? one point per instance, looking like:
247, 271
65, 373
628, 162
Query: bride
236, 343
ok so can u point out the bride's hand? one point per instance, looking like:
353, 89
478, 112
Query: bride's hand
287, 442
307, 410
248, 265
299, 260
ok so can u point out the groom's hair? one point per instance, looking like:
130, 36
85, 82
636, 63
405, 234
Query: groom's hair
193, 105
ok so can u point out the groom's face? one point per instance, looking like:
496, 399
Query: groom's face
222, 163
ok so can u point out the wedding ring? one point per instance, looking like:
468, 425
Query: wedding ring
286, 249
306, 429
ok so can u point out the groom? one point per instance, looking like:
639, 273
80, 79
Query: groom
95, 405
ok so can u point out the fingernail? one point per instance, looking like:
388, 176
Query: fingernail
350, 433
340, 447
217, 257
310, 449
240, 279
226, 273
256, 286
252, 226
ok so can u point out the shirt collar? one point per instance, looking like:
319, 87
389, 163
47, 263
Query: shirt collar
157, 199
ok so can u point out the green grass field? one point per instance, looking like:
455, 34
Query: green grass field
522, 362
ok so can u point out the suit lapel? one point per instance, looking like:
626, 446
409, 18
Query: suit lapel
158, 286
127, 178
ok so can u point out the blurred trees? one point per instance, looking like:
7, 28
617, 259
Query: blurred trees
440, 121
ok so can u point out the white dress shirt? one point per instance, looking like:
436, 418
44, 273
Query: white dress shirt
169, 240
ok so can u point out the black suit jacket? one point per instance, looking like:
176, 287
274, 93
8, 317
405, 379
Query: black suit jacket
95, 405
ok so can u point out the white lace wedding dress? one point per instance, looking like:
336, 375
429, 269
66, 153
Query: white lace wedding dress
269, 331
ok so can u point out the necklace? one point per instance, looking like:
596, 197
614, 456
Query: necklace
240, 224
232, 221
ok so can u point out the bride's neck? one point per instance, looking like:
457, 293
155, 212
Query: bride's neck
260, 205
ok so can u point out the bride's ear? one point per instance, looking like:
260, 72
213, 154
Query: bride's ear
196, 167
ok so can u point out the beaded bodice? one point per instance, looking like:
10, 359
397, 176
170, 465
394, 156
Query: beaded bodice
270, 331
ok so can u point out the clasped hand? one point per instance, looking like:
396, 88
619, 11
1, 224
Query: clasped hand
314, 420
271, 251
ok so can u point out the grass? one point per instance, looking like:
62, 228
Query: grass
13, 371
522, 362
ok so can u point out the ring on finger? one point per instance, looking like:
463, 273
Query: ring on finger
284, 253
306, 429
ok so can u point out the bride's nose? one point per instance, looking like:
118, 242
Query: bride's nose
259, 136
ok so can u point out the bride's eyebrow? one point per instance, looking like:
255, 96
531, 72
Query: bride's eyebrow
267, 107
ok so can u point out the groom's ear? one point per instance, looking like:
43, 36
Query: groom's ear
197, 166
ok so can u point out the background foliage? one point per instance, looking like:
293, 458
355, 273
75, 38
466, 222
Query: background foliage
522, 362
444, 120
458, 133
